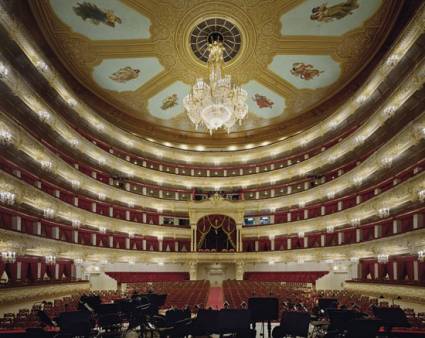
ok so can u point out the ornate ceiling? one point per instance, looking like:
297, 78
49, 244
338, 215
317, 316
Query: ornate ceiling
141, 56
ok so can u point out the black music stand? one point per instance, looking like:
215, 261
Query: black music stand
206, 323
328, 303
235, 322
294, 324
339, 319
264, 309
76, 323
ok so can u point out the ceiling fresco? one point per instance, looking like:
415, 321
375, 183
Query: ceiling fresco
142, 56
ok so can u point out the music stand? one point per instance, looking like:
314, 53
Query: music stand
264, 309
328, 303
234, 322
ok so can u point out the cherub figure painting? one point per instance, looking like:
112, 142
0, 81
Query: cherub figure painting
169, 102
323, 13
305, 72
262, 101
96, 15
125, 74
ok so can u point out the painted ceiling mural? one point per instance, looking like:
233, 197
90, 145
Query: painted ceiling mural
136, 55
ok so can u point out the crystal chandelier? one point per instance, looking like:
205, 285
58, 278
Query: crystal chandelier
218, 103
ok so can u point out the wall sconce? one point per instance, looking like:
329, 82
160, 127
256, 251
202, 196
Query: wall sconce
75, 184
382, 258
50, 260
355, 222
4, 71
7, 197
46, 165
387, 162
8, 256
42, 66
330, 194
76, 223
43, 115
5, 137
301, 234
421, 195
71, 102
48, 213
384, 212
101, 196
330, 229
74, 143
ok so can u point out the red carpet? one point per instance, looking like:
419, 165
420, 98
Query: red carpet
215, 298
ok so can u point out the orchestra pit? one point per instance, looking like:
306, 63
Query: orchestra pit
212, 168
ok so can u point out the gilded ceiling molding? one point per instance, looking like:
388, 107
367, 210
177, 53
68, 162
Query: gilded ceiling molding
410, 242
406, 89
407, 38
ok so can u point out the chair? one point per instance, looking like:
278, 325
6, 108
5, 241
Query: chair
294, 324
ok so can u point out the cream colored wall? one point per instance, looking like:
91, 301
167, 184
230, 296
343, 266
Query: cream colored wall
216, 273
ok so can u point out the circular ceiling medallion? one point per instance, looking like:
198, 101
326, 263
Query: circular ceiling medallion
215, 29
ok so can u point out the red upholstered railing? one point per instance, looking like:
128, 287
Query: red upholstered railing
285, 276
137, 277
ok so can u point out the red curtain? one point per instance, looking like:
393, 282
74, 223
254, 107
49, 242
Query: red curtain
50, 270
313, 240
2, 267
32, 270
12, 271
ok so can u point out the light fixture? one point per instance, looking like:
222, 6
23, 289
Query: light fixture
358, 180
330, 194
42, 66
48, 213
301, 234
355, 221
75, 184
393, 60
51, 260
5, 137
101, 196
382, 258
8, 256
219, 103
4, 71
361, 99
71, 102
421, 195
102, 230
46, 165
7, 197
387, 162
43, 115
76, 223
330, 229
74, 143
421, 255
359, 139
384, 212
389, 111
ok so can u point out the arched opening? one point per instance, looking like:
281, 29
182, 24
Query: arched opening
216, 233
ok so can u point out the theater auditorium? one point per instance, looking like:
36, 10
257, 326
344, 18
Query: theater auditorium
212, 168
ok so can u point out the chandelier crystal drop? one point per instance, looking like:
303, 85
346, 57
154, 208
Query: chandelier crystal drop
218, 103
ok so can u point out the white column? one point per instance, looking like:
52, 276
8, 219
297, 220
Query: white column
377, 230
93, 239
396, 226
37, 228
17, 223
418, 221
358, 235
322, 240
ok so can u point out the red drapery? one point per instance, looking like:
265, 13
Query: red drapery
222, 222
